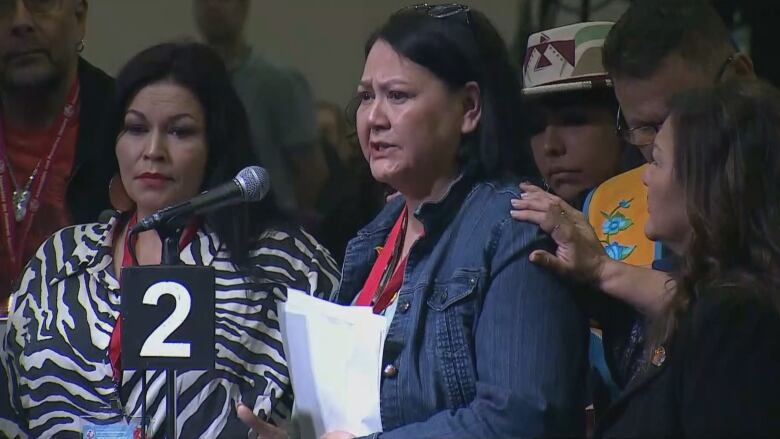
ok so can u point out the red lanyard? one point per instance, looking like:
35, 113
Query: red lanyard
387, 275
115, 344
14, 242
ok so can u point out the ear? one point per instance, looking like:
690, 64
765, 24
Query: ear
81, 8
743, 65
472, 107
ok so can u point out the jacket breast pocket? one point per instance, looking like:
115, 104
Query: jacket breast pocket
453, 306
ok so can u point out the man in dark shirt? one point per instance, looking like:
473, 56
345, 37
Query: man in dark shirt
55, 163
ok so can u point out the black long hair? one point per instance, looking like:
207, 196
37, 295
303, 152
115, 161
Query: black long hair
457, 49
199, 69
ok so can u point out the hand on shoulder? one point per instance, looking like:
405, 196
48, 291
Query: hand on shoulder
579, 254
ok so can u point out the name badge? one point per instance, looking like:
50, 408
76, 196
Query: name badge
131, 430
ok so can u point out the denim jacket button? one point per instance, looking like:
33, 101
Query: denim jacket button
390, 371
443, 297
404, 306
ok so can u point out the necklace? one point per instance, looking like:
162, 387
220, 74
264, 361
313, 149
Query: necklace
21, 196
18, 205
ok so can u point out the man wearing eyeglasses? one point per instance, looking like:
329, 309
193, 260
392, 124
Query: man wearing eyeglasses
657, 49
54, 165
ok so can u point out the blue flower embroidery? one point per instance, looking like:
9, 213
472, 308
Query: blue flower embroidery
618, 252
615, 223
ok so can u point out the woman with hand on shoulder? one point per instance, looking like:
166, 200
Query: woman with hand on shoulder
714, 200
712, 352
183, 130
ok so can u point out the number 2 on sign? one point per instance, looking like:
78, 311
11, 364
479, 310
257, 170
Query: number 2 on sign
155, 345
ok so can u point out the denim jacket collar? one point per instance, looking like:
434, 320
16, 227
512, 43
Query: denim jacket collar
433, 214
436, 214
361, 252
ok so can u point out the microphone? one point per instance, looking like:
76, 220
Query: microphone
249, 185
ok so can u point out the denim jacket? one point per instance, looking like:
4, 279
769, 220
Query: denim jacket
483, 344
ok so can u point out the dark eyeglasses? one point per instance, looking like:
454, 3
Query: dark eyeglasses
639, 136
645, 135
37, 7
437, 11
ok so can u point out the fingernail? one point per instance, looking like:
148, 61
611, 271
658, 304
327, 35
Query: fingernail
524, 195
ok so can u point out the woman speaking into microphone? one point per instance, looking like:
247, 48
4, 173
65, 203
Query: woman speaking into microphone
183, 130
480, 343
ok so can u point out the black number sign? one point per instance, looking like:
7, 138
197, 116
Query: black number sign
168, 317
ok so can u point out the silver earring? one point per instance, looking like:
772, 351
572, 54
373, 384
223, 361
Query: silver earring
80, 46
546, 186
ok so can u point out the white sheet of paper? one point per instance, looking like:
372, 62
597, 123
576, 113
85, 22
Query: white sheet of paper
334, 354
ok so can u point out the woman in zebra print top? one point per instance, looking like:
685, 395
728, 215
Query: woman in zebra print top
183, 130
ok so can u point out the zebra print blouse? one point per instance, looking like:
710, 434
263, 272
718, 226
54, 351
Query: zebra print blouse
64, 310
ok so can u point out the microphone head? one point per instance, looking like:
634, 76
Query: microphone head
254, 182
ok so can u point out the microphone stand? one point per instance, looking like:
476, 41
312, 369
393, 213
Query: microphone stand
170, 234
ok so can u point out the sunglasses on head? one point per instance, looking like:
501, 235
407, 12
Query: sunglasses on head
445, 10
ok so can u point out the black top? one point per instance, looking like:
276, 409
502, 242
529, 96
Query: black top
720, 376
95, 161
